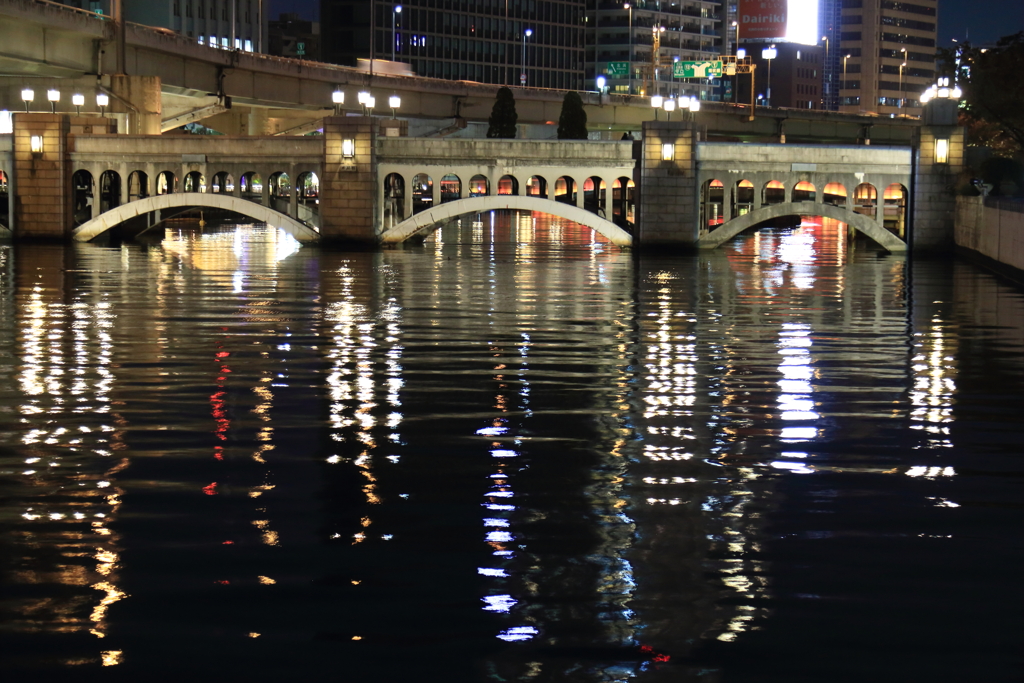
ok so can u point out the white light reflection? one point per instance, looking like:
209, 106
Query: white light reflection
518, 633
499, 603
934, 370
491, 571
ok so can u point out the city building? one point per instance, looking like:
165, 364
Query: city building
227, 24
786, 75
537, 43
293, 36
635, 45
887, 55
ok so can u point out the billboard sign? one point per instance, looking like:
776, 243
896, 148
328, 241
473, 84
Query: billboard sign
763, 19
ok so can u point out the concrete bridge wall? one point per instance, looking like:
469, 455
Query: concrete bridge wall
208, 155
550, 160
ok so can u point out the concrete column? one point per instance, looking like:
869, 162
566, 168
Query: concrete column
407, 197
40, 182
139, 97
293, 198
435, 191
258, 123
579, 194
522, 185
728, 194
608, 182
349, 185
265, 192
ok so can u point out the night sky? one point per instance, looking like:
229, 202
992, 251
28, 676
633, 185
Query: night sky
985, 20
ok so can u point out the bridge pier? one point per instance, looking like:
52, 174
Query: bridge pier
939, 160
349, 188
668, 206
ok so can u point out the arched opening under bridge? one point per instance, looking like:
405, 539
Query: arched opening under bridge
192, 200
859, 222
425, 222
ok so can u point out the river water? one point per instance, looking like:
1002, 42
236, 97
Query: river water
514, 453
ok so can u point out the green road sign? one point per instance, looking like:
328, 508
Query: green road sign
697, 69
617, 69
300, 49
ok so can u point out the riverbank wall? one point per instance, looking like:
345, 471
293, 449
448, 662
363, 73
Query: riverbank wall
991, 231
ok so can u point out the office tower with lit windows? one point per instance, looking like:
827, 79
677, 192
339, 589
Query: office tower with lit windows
227, 24
633, 45
537, 43
887, 55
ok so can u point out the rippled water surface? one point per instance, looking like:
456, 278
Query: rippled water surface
514, 453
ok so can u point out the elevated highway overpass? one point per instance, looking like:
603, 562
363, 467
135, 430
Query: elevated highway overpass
170, 80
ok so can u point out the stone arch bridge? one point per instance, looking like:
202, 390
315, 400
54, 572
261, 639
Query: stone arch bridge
364, 181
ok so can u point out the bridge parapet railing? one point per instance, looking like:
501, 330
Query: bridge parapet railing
535, 152
138, 146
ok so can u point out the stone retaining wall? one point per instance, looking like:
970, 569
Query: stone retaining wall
994, 229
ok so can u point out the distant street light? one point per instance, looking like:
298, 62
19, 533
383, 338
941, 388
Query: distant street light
362, 98
394, 12
601, 84
102, 100
53, 95
27, 95
394, 102
338, 98
78, 99
628, 6
656, 102
522, 76
768, 54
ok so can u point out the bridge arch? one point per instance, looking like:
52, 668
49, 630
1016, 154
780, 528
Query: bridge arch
858, 221
426, 221
105, 221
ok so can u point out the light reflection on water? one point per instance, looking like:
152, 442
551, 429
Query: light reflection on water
514, 450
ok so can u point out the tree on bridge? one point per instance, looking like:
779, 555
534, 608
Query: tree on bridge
572, 123
502, 122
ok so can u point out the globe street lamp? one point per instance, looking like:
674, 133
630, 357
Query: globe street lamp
522, 76
27, 95
768, 54
601, 84
102, 100
669, 107
53, 96
394, 102
656, 102
338, 98
78, 100
395, 11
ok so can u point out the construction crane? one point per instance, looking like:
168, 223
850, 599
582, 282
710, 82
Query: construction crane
651, 69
